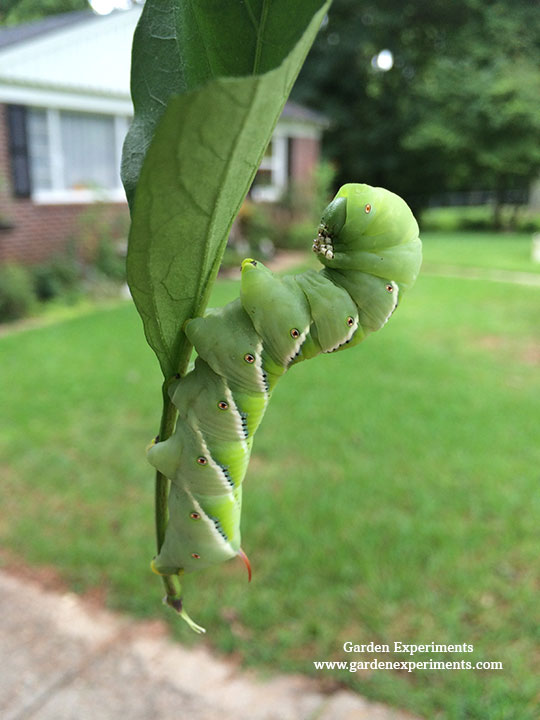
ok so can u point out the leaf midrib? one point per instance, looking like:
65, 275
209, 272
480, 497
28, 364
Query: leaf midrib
259, 27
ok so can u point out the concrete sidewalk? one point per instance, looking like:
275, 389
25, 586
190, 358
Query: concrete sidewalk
64, 659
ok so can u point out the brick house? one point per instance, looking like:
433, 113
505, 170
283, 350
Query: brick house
64, 111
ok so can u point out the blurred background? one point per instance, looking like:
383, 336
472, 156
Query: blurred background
416, 516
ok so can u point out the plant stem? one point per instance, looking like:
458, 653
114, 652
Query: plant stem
166, 428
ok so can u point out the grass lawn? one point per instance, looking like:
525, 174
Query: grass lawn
494, 251
392, 493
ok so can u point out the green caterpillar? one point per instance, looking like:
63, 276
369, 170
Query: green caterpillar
368, 242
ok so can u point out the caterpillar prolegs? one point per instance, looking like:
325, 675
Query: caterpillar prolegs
368, 243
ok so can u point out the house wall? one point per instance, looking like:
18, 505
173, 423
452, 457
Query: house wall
38, 232
303, 160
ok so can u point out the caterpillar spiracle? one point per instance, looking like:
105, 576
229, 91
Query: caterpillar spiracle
369, 245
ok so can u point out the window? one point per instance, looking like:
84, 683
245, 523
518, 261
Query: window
271, 179
38, 150
88, 151
75, 157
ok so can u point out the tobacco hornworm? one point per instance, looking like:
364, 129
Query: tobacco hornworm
368, 242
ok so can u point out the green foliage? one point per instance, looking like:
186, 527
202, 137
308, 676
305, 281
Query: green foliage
109, 260
457, 218
206, 149
459, 109
17, 298
480, 116
59, 277
478, 217
92, 265
255, 232
14, 12
299, 235
100, 240
63, 278
528, 222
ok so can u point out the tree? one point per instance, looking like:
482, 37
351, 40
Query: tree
14, 12
453, 64
480, 106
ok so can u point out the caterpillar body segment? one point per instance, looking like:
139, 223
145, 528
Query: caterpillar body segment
199, 528
328, 331
282, 338
368, 243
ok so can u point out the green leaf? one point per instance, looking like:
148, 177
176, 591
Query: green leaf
179, 46
197, 171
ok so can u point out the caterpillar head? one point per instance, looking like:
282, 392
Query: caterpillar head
371, 230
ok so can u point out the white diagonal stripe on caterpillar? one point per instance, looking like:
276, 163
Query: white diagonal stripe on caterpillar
263, 385
211, 462
208, 521
395, 291
235, 411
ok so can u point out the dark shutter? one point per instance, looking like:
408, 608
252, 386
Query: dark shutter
18, 150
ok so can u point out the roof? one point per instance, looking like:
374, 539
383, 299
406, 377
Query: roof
301, 113
79, 53
19, 33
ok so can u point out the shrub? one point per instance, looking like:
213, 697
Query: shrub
109, 260
99, 241
254, 232
300, 235
17, 297
478, 217
449, 219
257, 223
57, 277
528, 222
232, 259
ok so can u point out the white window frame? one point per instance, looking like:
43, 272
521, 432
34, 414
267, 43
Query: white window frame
276, 162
